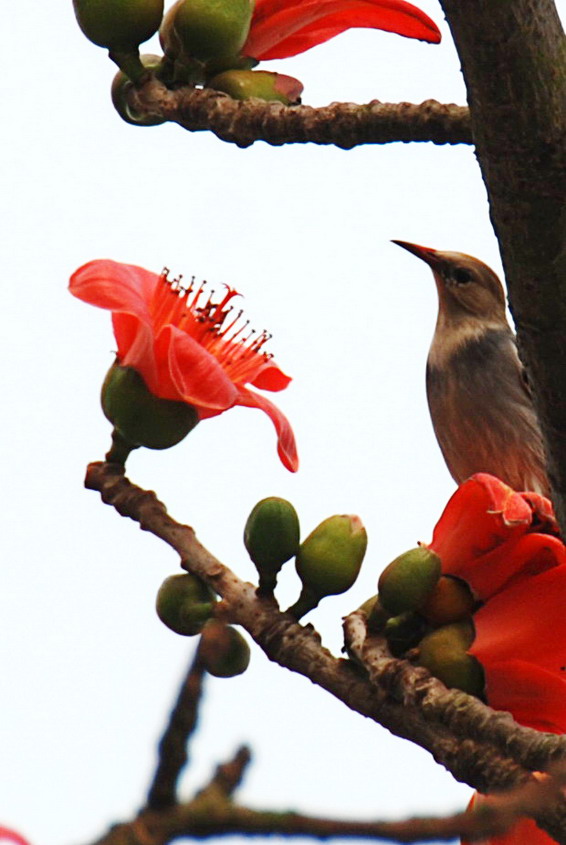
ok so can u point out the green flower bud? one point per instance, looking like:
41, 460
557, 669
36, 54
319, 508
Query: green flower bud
263, 84
139, 417
223, 650
403, 632
329, 560
443, 653
118, 25
184, 603
408, 580
368, 605
122, 86
271, 537
207, 29
450, 601
375, 614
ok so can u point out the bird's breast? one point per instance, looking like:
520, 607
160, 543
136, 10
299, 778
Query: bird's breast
482, 415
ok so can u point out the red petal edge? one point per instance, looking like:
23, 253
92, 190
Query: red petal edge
281, 28
118, 287
286, 446
483, 513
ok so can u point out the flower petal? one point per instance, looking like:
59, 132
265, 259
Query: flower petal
136, 349
519, 557
188, 372
482, 514
535, 697
283, 28
118, 287
286, 446
271, 378
526, 621
544, 519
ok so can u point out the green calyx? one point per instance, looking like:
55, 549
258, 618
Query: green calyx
184, 604
263, 84
207, 29
271, 537
139, 417
329, 560
408, 580
444, 653
223, 650
118, 25
122, 87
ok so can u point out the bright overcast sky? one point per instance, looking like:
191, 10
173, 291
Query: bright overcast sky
304, 233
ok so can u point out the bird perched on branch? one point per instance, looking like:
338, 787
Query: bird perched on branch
478, 396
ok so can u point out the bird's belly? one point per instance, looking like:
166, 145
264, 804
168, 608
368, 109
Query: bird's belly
483, 429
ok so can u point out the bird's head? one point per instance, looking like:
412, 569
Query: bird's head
468, 290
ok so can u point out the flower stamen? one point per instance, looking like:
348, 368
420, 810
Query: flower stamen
214, 325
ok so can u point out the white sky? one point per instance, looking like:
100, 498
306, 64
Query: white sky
303, 232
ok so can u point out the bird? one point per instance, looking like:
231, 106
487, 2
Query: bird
478, 394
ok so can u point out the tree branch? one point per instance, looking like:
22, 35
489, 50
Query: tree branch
173, 745
513, 55
298, 648
465, 715
345, 125
211, 814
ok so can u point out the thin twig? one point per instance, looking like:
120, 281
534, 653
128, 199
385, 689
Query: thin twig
212, 814
172, 748
227, 776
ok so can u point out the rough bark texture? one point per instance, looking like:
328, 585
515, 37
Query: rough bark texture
344, 125
403, 698
513, 55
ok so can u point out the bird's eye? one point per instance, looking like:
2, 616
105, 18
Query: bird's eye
462, 276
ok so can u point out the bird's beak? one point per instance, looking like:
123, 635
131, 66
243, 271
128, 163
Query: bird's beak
425, 253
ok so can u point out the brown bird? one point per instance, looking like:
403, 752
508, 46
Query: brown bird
478, 396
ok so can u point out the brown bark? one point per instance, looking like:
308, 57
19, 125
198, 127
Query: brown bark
344, 125
513, 55
403, 698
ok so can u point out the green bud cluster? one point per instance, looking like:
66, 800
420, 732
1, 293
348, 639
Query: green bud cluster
327, 562
185, 604
427, 617
202, 42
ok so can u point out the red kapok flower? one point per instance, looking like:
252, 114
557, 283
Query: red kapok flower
283, 28
185, 346
489, 535
504, 545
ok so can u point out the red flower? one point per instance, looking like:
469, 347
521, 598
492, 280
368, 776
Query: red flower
8, 835
504, 545
283, 28
185, 346
490, 535
495, 540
